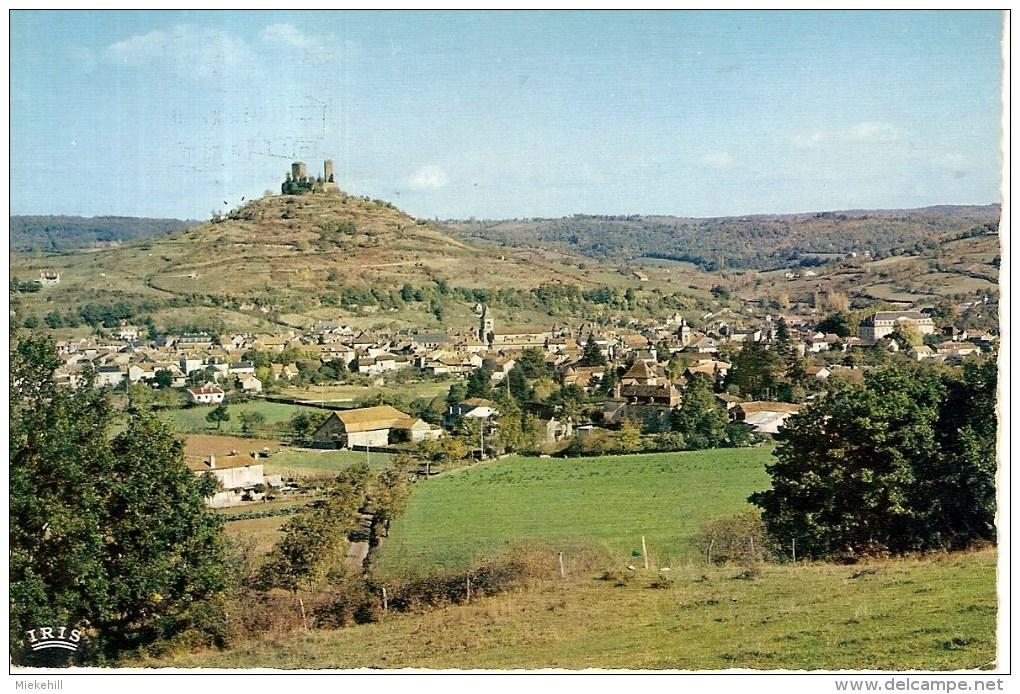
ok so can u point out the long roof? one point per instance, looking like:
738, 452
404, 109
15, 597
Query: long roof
370, 418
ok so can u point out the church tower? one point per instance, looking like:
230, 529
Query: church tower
486, 326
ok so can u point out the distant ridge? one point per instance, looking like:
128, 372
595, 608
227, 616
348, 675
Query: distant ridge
753, 242
56, 233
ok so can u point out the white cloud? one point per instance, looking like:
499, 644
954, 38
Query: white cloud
866, 132
812, 139
186, 50
873, 132
951, 161
289, 37
428, 177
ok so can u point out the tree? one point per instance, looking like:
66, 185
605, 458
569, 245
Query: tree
629, 437
456, 394
960, 483
163, 379
251, 421
109, 536
314, 541
218, 414
592, 354
479, 383
840, 323
907, 335
755, 371
700, 418
901, 463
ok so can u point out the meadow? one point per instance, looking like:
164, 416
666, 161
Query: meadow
936, 613
614, 501
277, 418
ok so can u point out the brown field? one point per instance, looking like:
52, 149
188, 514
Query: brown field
203, 445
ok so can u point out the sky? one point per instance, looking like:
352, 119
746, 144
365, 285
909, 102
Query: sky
498, 115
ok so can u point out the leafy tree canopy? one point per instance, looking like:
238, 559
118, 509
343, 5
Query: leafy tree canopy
107, 535
903, 462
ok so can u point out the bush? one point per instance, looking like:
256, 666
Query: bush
740, 538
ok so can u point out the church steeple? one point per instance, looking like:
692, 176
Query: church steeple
485, 326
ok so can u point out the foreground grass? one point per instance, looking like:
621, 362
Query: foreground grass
460, 516
925, 614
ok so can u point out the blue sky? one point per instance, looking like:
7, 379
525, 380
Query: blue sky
506, 114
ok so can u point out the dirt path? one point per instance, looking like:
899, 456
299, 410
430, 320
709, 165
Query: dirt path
356, 556
358, 551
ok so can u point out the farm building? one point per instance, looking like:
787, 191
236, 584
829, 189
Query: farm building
236, 475
765, 417
371, 426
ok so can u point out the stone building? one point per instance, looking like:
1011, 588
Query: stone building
883, 323
300, 183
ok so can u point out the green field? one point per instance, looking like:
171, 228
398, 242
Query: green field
911, 614
278, 416
613, 501
926, 613
303, 462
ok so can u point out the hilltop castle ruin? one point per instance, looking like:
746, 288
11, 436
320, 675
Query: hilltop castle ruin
300, 183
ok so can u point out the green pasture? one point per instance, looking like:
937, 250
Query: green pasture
277, 418
305, 462
613, 501
936, 613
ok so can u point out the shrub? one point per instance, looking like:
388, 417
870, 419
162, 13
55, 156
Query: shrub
740, 538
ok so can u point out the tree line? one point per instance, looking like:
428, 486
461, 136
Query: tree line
63, 233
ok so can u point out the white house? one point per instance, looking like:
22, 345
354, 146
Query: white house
206, 395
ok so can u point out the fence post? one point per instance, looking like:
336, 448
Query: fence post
562, 573
644, 551
469, 588
385, 602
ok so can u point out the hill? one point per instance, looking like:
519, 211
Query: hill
51, 233
292, 260
289, 258
758, 242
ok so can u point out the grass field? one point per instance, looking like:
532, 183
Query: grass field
277, 418
349, 394
613, 501
303, 462
928, 613
910, 614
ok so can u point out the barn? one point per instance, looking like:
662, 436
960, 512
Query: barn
370, 426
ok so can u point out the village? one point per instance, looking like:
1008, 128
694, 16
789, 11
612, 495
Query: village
632, 374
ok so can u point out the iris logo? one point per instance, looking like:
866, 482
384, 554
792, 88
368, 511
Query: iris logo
43, 638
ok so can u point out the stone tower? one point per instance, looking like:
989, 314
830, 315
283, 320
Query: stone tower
486, 326
300, 183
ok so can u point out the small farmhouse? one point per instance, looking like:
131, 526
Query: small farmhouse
237, 476
206, 395
370, 426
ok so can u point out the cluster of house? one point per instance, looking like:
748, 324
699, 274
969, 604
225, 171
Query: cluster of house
220, 360
645, 392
